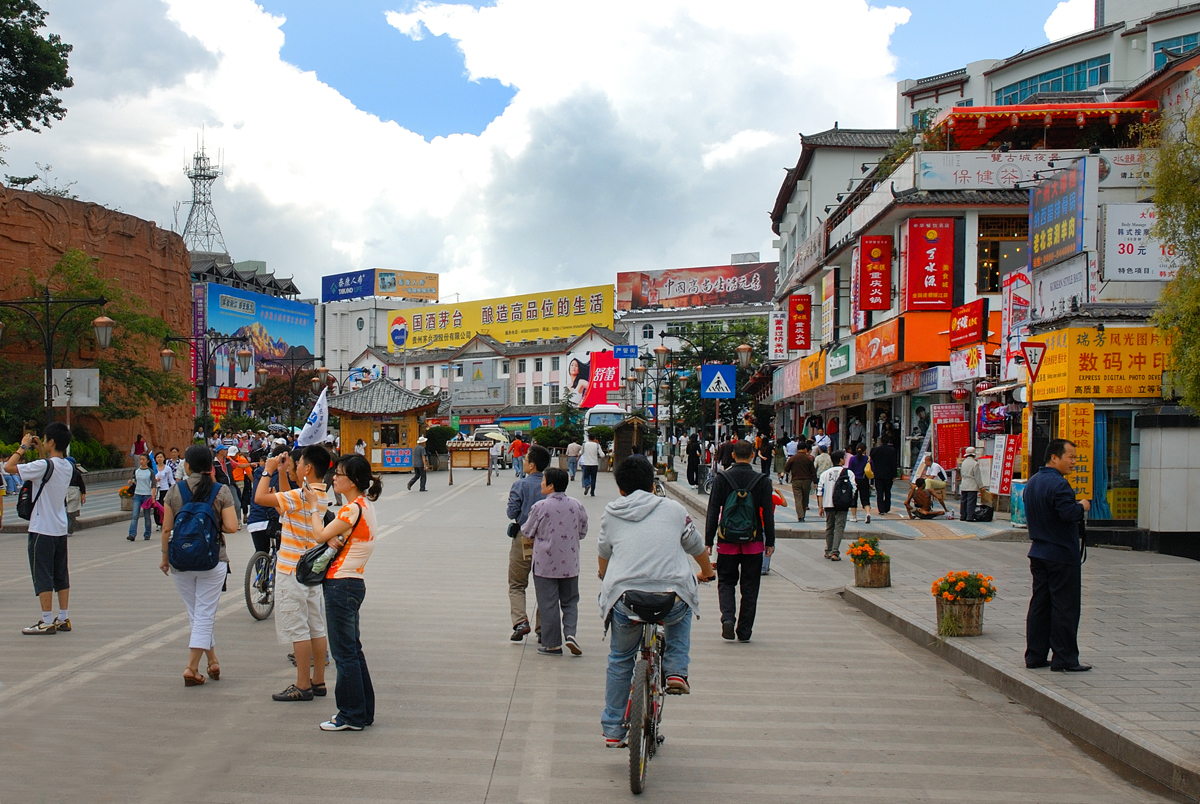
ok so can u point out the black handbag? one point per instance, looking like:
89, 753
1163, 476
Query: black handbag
26, 499
306, 568
513, 530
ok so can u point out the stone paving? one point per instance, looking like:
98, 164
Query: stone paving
824, 704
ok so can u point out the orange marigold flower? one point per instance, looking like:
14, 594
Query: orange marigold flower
959, 586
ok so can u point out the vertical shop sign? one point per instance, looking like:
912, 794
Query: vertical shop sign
875, 280
1056, 211
952, 438
1077, 423
930, 281
858, 319
778, 326
828, 305
799, 321
1003, 462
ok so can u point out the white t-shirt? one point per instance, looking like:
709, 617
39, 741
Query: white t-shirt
592, 453
50, 514
826, 483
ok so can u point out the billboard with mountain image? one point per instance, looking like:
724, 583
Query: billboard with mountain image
272, 325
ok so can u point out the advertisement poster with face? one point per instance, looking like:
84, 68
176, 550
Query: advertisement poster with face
579, 374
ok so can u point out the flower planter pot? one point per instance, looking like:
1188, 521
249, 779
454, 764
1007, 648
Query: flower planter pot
126, 503
873, 574
959, 617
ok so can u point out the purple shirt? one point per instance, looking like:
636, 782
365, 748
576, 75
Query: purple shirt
556, 524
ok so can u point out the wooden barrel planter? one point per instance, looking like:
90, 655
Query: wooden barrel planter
959, 617
126, 503
873, 574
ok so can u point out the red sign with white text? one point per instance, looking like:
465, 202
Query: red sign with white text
875, 273
1012, 446
930, 271
969, 323
233, 394
799, 321
606, 376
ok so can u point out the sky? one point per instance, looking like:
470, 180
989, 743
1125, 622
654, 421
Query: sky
510, 146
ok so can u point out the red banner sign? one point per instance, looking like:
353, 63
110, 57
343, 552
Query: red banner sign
952, 438
233, 394
930, 273
218, 409
875, 267
799, 321
605, 377
969, 324
1012, 447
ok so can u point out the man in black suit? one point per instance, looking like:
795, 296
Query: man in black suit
884, 462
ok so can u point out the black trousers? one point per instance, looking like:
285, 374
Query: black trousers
693, 467
732, 571
883, 493
418, 474
1053, 621
864, 492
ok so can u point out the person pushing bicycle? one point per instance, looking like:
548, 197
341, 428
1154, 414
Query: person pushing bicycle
646, 545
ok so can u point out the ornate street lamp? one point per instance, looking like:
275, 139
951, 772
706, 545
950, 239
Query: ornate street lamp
260, 375
661, 353
167, 358
743, 355
103, 329
244, 356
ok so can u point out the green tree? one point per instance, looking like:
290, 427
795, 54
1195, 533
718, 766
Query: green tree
715, 344
129, 384
32, 68
274, 398
1175, 176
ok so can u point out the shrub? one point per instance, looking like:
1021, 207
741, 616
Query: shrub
438, 436
867, 551
964, 586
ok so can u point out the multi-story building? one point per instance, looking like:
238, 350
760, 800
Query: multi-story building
346, 329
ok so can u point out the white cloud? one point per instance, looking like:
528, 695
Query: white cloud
1070, 17
605, 159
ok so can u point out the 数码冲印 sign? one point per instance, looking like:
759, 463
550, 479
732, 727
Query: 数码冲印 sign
552, 314
1081, 362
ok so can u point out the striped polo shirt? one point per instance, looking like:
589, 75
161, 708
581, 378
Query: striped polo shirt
297, 519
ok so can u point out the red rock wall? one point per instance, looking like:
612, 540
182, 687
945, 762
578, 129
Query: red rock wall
149, 262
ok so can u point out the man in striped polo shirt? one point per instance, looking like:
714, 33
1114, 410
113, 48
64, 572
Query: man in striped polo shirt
299, 617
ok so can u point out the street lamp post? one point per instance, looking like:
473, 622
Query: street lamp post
47, 326
292, 363
744, 351
212, 341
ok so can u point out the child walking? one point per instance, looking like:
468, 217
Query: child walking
557, 524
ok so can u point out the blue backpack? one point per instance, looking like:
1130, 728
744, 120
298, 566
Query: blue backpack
195, 544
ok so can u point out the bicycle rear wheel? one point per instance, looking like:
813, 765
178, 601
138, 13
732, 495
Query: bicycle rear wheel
639, 733
260, 594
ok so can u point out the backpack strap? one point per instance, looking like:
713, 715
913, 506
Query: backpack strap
185, 492
49, 473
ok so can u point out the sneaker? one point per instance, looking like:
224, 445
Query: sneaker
727, 629
615, 742
678, 685
550, 651
868, 519
39, 628
62, 625
573, 646
131, 538
293, 693
520, 630
336, 723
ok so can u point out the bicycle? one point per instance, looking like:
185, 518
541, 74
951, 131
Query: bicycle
660, 488
644, 710
260, 582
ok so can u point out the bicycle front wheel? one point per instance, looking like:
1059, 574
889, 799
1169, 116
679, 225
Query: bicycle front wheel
639, 727
260, 594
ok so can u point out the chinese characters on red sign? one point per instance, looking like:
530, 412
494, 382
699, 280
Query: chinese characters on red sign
1012, 447
606, 376
875, 280
1056, 217
930, 273
969, 323
799, 321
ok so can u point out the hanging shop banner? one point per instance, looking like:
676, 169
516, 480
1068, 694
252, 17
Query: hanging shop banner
930, 269
1058, 206
875, 281
936, 379
1077, 423
951, 439
968, 364
605, 376
218, 409
905, 381
1118, 362
1130, 253
858, 318
812, 372
828, 305
778, 335
747, 283
877, 347
839, 364
799, 321
234, 394
785, 382
554, 314
1003, 462
1017, 299
969, 324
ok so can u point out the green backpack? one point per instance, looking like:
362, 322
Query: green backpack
739, 517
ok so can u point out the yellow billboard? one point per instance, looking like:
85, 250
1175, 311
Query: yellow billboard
552, 314
1109, 362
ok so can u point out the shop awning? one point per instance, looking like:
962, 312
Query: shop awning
969, 128
1002, 388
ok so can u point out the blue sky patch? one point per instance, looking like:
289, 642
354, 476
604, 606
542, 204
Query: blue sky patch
422, 85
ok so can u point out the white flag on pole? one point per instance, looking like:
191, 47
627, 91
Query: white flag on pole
316, 424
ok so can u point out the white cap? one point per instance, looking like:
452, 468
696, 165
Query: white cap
233, 451
969, 451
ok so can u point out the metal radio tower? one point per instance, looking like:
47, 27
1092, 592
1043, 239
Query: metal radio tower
202, 232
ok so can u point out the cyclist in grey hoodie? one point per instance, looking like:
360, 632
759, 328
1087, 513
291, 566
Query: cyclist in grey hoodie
646, 544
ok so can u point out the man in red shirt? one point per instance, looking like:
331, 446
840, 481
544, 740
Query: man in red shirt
519, 448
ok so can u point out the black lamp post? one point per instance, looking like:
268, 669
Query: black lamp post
292, 363
707, 339
41, 311
212, 341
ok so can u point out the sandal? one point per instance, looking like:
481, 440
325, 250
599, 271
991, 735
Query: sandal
835, 557
191, 679
214, 671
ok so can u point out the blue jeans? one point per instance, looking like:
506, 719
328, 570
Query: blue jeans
589, 478
12, 484
624, 645
354, 694
138, 499
519, 465
572, 465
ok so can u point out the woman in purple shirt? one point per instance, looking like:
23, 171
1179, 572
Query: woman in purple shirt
557, 524
858, 465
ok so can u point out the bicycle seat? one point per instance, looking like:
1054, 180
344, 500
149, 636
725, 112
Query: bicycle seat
650, 607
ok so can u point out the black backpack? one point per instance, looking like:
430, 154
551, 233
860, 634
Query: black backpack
739, 521
26, 499
844, 493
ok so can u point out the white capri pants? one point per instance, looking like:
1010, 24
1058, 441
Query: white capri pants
201, 592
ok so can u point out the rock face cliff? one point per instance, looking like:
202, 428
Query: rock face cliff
149, 262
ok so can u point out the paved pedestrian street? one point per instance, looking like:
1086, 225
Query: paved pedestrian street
824, 704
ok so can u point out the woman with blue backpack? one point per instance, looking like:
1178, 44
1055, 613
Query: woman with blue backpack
198, 512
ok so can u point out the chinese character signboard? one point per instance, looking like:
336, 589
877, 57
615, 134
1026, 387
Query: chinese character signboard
605, 376
271, 324
1077, 422
1116, 363
377, 282
968, 364
993, 170
951, 438
969, 324
1130, 253
1003, 462
554, 314
858, 318
930, 270
877, 347
778, 335
353, 285
696, 287
1016, 292
875, 266
828, 305
799, 321
397, 458
1057, 208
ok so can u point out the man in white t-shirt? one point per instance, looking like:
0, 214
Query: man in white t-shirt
48, 524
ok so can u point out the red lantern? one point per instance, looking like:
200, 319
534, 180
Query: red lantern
960, 394
1145, 117
981, 386
1014, 120
1080, 119
982, 122
1049, 119
1112, 119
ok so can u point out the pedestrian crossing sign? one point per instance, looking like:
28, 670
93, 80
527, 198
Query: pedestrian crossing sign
718, 381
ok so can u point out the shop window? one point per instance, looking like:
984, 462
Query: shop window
1003, 247
521, 395
389, 434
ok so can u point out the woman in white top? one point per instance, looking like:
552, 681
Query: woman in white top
165, 477
360, 447
143, 489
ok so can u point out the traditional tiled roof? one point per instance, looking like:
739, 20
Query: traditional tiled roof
1052, 46
383, 397
972, 198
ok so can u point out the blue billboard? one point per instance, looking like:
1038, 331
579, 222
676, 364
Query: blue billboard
272, 326
352, 285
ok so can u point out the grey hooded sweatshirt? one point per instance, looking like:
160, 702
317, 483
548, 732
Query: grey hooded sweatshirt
648, 542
